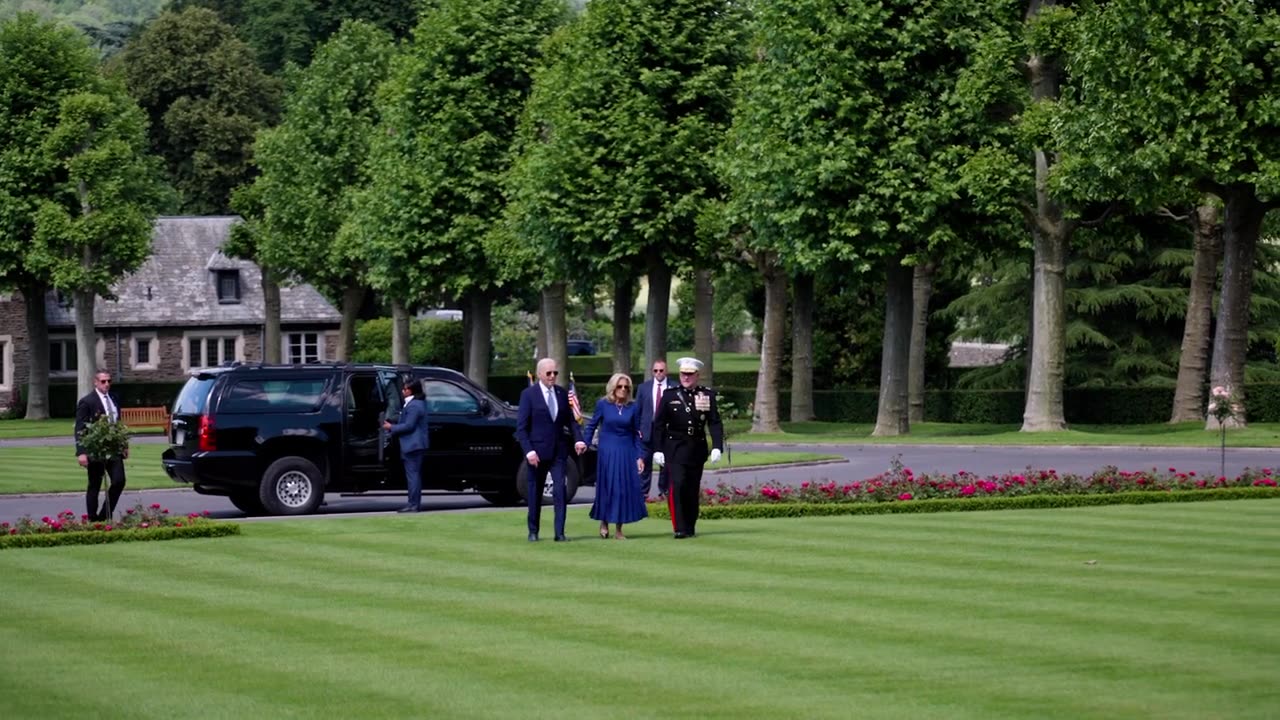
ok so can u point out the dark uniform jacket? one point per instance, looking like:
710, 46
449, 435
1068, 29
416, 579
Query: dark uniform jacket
680, 429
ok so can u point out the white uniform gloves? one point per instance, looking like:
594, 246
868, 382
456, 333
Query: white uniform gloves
715, 455
659, 459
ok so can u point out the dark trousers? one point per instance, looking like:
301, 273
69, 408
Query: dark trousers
686, 486
413, 475
114, 469
537, 480
664, 478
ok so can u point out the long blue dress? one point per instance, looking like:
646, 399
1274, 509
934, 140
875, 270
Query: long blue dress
618, 495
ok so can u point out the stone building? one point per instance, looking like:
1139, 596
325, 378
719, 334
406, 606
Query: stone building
188, 306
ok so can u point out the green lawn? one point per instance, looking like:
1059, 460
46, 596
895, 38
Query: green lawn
1163, 611
1158, 434
58, 427
54, 469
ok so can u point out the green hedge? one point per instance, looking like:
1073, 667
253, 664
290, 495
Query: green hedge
1021, 502
99, 537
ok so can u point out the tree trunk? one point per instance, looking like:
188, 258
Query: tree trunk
704, 297
1193, 362
1242, 219
623, 296
921, 292
658, 310
589, 305
272, 344
764, 417
479, 329
399, 333
895, 354
556, 336
33, 295
352, 299
802, 349
86, 341
1050, 233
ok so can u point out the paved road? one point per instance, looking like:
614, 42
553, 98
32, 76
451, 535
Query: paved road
859, 462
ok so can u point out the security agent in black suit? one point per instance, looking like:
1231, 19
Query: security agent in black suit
91, 407
679, 441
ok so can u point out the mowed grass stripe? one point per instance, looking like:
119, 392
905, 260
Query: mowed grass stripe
715, 627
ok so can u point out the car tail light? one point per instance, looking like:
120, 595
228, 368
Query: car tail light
207, 440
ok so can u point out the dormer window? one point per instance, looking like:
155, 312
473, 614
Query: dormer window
228, 286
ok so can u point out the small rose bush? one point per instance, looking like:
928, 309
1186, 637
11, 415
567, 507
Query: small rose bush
150, 522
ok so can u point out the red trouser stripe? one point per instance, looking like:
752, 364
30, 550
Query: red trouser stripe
671, 505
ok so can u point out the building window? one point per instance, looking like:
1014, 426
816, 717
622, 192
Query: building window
146, 350
6, 362
304, 347
228, 286
62, 356
211, 350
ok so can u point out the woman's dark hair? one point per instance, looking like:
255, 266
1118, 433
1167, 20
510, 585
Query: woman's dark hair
414, 386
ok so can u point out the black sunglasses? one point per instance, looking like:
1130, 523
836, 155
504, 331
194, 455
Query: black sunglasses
659, 370
551, 373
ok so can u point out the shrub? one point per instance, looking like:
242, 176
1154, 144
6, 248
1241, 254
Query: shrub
152, 522
900, 490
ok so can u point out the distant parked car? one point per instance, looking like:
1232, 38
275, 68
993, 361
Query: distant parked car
582, 347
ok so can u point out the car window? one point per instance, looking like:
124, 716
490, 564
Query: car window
278, 395
194, 395
445, 397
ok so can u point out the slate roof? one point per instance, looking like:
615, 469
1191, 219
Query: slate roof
180, 277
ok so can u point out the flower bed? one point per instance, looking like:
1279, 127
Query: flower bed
151, 522
901, 490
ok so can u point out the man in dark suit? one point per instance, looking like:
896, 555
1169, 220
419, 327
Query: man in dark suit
414, 440
680, 441
649, 395
545, 429
97, 403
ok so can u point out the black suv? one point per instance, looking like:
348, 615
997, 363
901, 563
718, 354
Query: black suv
275, 438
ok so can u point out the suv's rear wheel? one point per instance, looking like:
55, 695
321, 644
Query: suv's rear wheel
570, 482
291, 486
247, 502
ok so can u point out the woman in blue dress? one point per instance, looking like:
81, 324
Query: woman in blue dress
620, 458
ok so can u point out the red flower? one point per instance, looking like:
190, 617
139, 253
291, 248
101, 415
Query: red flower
967, 490
155, 506
904, 496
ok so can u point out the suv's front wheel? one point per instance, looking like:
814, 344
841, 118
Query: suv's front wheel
291, 486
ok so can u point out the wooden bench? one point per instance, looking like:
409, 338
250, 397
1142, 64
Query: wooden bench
136, 417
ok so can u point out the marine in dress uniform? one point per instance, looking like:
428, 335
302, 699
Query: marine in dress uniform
679, 441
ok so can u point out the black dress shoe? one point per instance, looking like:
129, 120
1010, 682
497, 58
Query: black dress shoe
408, 509
533, 537
680, 536
561, 538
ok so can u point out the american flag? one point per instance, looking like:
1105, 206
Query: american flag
530, 374
573, 401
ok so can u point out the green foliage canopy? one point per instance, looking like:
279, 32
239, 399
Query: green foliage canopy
448, 115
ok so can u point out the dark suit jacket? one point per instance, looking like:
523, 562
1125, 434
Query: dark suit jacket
412, 428
680, 430
87, 410
644, 396
537, 431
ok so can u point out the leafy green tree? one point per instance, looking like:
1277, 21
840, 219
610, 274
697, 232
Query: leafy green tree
615, 150
41, 64
206, 97
96, 226
448, 115
1185, 90
312, 165
846, 149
